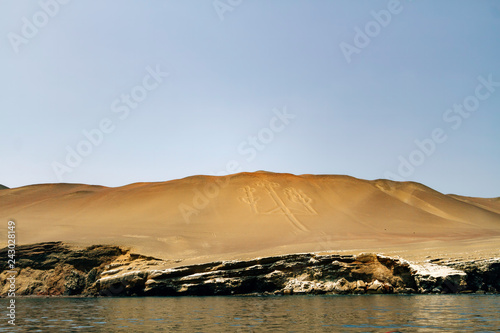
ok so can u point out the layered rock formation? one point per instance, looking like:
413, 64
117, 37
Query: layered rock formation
58, 269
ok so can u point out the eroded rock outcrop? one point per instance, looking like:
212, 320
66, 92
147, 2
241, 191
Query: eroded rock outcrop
290, 274
480, 275
57, 269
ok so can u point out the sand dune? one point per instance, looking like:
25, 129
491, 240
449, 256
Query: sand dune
256, 214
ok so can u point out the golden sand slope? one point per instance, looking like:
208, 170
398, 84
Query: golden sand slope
256, 214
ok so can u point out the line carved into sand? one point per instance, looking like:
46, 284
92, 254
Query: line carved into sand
302, 202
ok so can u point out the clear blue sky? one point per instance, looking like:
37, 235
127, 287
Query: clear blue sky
357, 92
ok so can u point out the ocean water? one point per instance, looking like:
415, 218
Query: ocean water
367, 313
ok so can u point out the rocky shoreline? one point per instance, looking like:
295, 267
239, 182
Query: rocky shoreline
57, 269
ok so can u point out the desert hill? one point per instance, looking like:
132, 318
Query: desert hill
245, 215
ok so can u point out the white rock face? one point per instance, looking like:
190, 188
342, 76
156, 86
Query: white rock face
429, 269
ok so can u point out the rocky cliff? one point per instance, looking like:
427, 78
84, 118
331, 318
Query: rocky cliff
59, 269
56, 269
